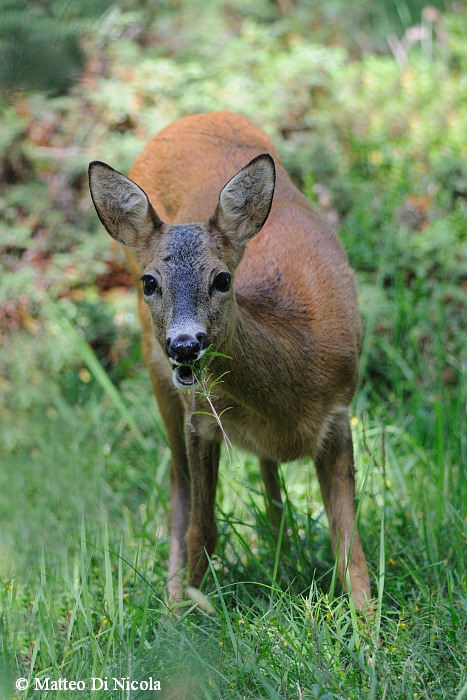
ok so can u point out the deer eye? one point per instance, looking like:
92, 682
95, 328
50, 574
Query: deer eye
149, 285
222, 282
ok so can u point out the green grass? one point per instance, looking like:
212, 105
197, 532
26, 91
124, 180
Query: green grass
85, 548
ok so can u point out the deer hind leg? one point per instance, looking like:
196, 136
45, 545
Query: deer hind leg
202, 530
270, 474
336, 474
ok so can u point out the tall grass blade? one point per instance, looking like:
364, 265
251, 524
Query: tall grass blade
280, 535
89, 358
228, 622
120, 592
108, 585
462, 693
381, 578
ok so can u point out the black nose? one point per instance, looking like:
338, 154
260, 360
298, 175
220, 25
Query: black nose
203, 339
183, 348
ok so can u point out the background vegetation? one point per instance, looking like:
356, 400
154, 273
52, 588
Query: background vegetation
367, 104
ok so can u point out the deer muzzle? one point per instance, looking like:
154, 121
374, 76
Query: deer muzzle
184, 351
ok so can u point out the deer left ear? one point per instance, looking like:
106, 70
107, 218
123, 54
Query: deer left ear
246, 200
121, 205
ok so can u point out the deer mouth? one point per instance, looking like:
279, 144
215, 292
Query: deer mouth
184, 377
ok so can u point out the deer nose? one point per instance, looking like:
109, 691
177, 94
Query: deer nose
185, 348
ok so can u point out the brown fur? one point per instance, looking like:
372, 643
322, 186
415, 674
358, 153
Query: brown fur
292, 330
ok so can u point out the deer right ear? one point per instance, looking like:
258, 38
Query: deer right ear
246, 200
121, 205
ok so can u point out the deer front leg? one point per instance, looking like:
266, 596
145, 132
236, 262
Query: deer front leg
178, 522
336, 474
172, 412
203, 458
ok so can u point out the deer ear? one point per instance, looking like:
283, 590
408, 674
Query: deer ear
246, 200
121, 205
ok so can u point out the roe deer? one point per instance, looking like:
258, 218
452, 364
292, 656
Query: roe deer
262, 280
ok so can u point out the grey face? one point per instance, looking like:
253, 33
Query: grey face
187, 288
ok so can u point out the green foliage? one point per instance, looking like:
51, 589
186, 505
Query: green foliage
96, 608
40, 45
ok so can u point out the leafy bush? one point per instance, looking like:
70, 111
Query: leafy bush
40, 47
